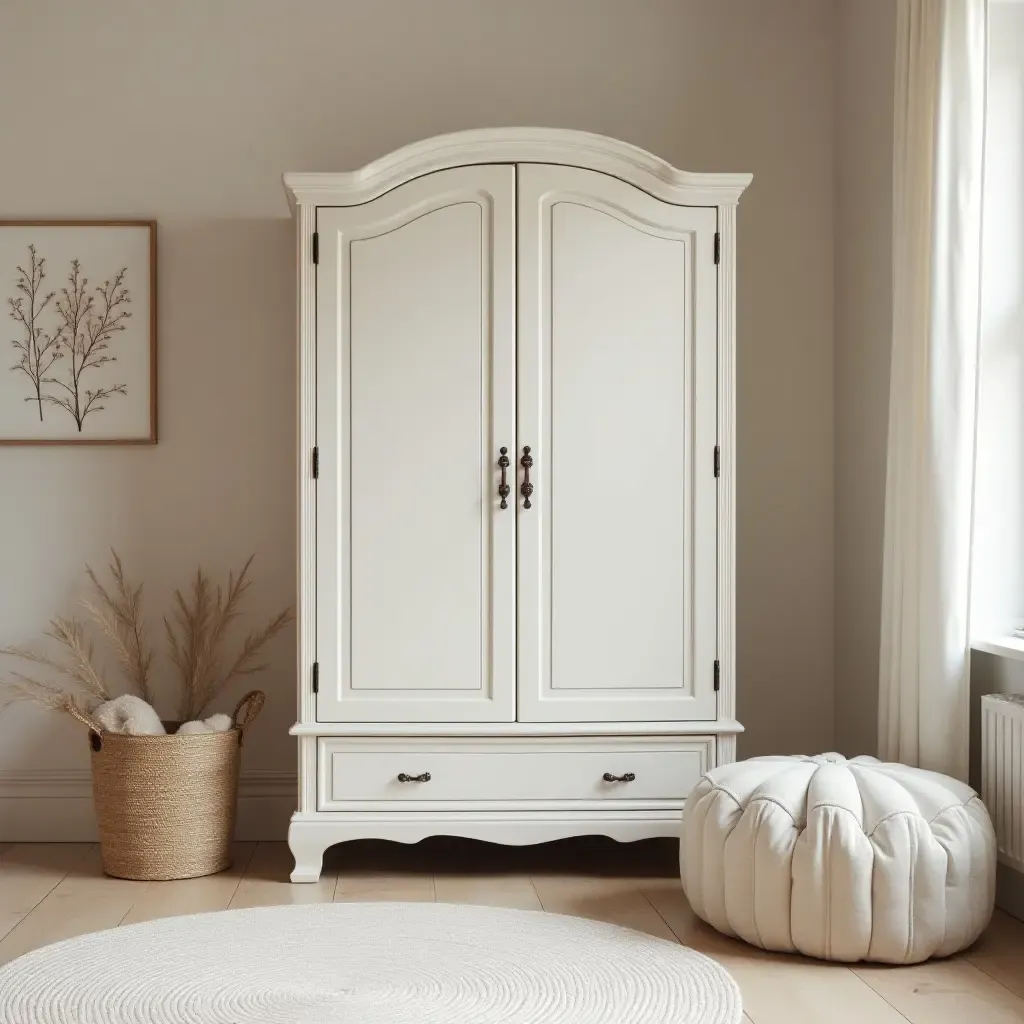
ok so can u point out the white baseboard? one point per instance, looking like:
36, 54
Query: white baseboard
54, 806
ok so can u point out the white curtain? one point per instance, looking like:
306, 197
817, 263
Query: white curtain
937, 206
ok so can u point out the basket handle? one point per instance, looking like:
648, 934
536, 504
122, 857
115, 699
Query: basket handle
247, 710
96, 738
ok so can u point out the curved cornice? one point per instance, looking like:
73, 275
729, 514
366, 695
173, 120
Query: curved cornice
517, 145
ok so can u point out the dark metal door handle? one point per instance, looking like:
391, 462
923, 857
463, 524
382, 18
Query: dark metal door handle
527, 488
628, 777
503, 488
425, 777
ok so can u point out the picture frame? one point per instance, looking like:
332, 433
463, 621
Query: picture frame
78, 356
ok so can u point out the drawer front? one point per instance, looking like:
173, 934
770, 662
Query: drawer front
396, 770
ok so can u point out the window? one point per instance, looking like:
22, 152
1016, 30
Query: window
998, 567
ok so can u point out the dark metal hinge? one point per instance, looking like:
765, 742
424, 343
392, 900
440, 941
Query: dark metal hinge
718, 247
316, 677
316, 463
718, 461
316, 247
718, 674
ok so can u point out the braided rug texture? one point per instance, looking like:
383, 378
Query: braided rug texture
368, 963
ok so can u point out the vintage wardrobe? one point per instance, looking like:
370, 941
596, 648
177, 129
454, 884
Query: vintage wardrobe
516, 491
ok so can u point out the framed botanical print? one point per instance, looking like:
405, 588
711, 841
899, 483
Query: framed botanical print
78, 355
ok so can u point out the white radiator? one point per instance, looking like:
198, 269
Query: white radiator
1002, 772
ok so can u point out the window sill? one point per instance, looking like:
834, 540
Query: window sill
1005, 646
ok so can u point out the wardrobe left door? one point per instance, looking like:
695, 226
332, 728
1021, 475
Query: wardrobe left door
416, 378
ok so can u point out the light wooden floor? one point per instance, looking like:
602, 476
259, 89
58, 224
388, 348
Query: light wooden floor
54, 891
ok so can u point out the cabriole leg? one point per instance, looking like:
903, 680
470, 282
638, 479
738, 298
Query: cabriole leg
307, 844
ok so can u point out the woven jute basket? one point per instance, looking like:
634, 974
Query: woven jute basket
166, 805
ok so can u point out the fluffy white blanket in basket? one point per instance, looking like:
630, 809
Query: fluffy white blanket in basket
128, 714
132, 716
215, 723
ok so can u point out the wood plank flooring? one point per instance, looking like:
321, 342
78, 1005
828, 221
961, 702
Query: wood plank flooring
54, 891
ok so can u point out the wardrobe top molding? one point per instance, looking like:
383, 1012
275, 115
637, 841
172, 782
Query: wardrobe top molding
516, 145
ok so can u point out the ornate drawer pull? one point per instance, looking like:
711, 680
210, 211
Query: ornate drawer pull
503, 488
425, 777
628, 777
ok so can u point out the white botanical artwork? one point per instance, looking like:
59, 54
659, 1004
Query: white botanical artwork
78, 353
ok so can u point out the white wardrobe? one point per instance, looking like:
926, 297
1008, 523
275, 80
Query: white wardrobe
516, 523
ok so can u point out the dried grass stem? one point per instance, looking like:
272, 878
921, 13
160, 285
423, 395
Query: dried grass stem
197, 633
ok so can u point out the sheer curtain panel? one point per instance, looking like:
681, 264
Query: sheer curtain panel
937, 215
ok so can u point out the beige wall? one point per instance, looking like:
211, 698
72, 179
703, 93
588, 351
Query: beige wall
189, 112
865, 47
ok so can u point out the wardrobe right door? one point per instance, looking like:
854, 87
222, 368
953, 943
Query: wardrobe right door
617, 382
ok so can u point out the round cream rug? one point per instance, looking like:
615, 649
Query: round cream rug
368, 963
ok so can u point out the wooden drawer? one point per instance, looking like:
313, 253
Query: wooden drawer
360, 771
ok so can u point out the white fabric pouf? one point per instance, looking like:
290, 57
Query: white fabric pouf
837, 859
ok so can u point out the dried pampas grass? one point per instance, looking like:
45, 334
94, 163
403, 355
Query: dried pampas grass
20, 687
119, 616
80, 685
197, 634
78, 668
